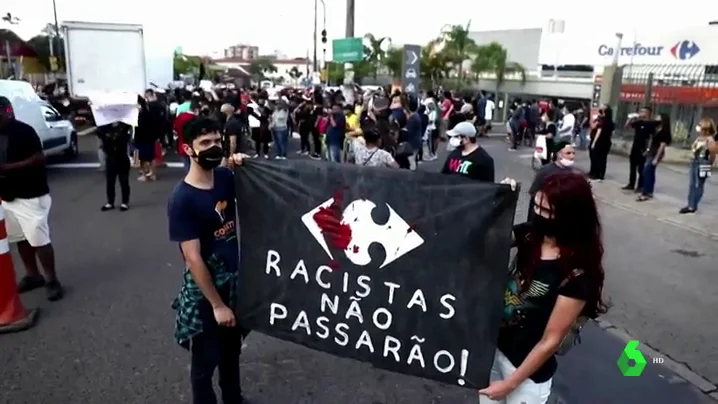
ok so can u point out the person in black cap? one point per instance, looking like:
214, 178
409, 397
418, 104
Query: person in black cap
26, 198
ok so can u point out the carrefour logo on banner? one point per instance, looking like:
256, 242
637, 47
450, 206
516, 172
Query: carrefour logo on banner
685, 50
682, 50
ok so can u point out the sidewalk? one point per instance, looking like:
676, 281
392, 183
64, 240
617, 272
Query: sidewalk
669, 197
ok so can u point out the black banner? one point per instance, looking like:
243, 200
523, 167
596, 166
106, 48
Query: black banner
405, 270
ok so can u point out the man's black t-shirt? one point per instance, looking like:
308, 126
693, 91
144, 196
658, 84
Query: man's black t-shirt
644, 130
527, 311
207, 215
21, 142
477, 165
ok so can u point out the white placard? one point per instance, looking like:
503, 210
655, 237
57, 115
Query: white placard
114, 107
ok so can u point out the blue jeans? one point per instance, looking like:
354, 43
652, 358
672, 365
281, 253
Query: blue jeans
696, 185
649, 176
281, 141
582, 139
335, 153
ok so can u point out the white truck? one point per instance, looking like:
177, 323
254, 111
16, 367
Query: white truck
104, 57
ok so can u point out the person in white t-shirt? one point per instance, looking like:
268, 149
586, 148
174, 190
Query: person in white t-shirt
488, 115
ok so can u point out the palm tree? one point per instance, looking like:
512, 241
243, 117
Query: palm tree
458, 46
295, 74
10, 19
434, 64
493, 58
374, 51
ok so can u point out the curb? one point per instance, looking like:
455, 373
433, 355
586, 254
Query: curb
680, 369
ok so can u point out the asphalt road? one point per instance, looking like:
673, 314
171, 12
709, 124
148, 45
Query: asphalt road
110, 340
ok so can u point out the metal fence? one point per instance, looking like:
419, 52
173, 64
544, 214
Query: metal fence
686, 93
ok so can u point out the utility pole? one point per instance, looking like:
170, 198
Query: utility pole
314, 64
348, 67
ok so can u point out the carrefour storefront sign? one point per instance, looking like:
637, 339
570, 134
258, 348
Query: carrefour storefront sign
695, 46
633, 50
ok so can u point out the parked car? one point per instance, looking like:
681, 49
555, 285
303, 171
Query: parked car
57, 134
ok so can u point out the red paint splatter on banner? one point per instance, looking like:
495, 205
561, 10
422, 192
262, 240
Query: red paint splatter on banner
333, 264
329, 220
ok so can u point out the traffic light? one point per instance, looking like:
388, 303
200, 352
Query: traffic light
324, 36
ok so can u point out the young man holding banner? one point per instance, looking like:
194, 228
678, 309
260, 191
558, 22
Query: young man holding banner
201, 214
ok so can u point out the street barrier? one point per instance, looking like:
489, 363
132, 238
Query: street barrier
13, 315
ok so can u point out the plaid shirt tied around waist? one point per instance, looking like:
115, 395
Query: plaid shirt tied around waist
189, 322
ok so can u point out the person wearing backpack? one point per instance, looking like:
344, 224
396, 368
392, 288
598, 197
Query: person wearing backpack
555, 285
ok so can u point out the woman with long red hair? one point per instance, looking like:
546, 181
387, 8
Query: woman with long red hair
556, 283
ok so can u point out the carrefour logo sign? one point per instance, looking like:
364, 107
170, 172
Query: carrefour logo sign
681, 50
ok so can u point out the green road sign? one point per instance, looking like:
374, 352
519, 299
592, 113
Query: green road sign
631, 352
347, 50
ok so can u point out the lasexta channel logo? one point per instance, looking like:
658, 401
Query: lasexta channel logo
631, 353
685, 50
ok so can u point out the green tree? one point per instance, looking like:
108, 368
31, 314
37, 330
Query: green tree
363, 69
374, 51
41, 45
335, 73
493, 58
394, 61
458, 47
260, 67
434, 64
185, 64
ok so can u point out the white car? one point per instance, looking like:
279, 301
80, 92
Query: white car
56, 134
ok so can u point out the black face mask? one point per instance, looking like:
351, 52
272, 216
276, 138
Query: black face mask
211, 158
543, 226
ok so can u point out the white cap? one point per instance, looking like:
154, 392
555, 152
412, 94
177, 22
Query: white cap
466, 129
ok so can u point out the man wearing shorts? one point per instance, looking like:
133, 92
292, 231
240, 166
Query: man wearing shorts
26, 198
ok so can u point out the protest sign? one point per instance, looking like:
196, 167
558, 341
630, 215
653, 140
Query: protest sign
109, 108
405, 270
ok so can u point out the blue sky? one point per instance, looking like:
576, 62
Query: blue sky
201, 27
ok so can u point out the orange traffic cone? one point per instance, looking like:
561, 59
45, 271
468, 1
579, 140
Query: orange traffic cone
159, 158
13, 316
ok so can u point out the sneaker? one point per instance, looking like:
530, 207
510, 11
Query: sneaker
628, 188
29, 283
142, 178
107, 207
315, 156
266, 157
54, 291
124, 207
687, 210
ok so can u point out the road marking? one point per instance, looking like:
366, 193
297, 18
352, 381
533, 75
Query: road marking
87, 131
74, 165
97, 165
